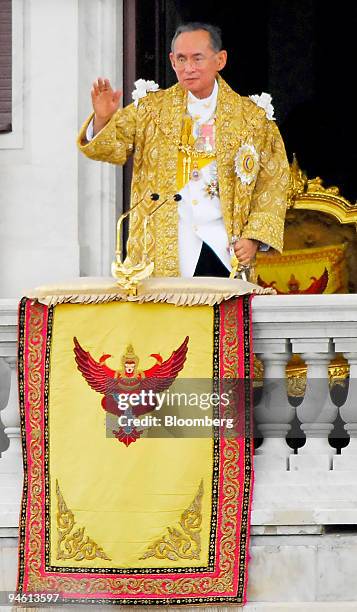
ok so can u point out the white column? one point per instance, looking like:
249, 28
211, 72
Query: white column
100, 54
9, 415
274, 412
39, 223
348, 458
317, 413
11, 459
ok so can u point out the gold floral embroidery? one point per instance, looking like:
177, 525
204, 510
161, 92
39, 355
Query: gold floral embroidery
230, 345
73, 544
184, 543
234, 485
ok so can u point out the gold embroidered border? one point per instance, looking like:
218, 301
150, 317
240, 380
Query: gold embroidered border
21, 377
235, 328
31, 371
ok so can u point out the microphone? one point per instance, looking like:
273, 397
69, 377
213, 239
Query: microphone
125, 271
154, 197
177, 197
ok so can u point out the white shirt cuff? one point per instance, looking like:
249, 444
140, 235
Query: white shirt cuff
90, 130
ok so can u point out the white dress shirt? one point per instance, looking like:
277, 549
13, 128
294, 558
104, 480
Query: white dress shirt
200, 215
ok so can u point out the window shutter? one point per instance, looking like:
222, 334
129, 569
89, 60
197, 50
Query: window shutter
5, 65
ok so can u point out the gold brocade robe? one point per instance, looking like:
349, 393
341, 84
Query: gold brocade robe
152, 133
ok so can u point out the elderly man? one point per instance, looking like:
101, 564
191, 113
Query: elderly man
222, 152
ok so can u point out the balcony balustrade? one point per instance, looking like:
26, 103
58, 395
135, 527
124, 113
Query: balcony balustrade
302, 477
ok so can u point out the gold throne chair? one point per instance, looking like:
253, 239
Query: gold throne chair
320, 256
320, 232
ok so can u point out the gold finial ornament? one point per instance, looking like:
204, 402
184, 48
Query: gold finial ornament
128, 274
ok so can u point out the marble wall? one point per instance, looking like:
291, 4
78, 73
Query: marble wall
297, 572
303, 568
8, 560
100, 53
57, 212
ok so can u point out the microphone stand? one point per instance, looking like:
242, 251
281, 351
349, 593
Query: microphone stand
177, 197
128, 274
118, 250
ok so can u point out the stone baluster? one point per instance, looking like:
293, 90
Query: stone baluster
317, 413
274, 412
11, 459
348, 458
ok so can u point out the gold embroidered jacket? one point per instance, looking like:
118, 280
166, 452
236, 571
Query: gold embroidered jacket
152, 133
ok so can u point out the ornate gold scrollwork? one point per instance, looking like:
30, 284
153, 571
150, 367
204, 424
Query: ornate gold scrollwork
185, 542
74, 544
297, 184
296, 374
311, 194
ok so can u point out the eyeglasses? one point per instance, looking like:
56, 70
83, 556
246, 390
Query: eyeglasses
196, 62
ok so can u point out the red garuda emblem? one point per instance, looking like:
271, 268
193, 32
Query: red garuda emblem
318, 285
120, 386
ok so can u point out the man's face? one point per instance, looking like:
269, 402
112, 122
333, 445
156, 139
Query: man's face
195, 62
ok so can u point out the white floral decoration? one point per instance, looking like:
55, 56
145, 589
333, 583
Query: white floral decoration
141, 89
246, 163
264, 101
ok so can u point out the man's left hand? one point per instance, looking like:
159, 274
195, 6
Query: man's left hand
245, 250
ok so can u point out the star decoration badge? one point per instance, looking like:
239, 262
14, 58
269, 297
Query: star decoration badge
246, 163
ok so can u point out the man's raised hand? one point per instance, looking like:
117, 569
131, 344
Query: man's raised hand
105, 102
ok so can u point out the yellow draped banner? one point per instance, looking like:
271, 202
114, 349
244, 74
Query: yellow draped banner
131, 494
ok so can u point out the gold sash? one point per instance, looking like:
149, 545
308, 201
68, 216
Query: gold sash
190, 159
